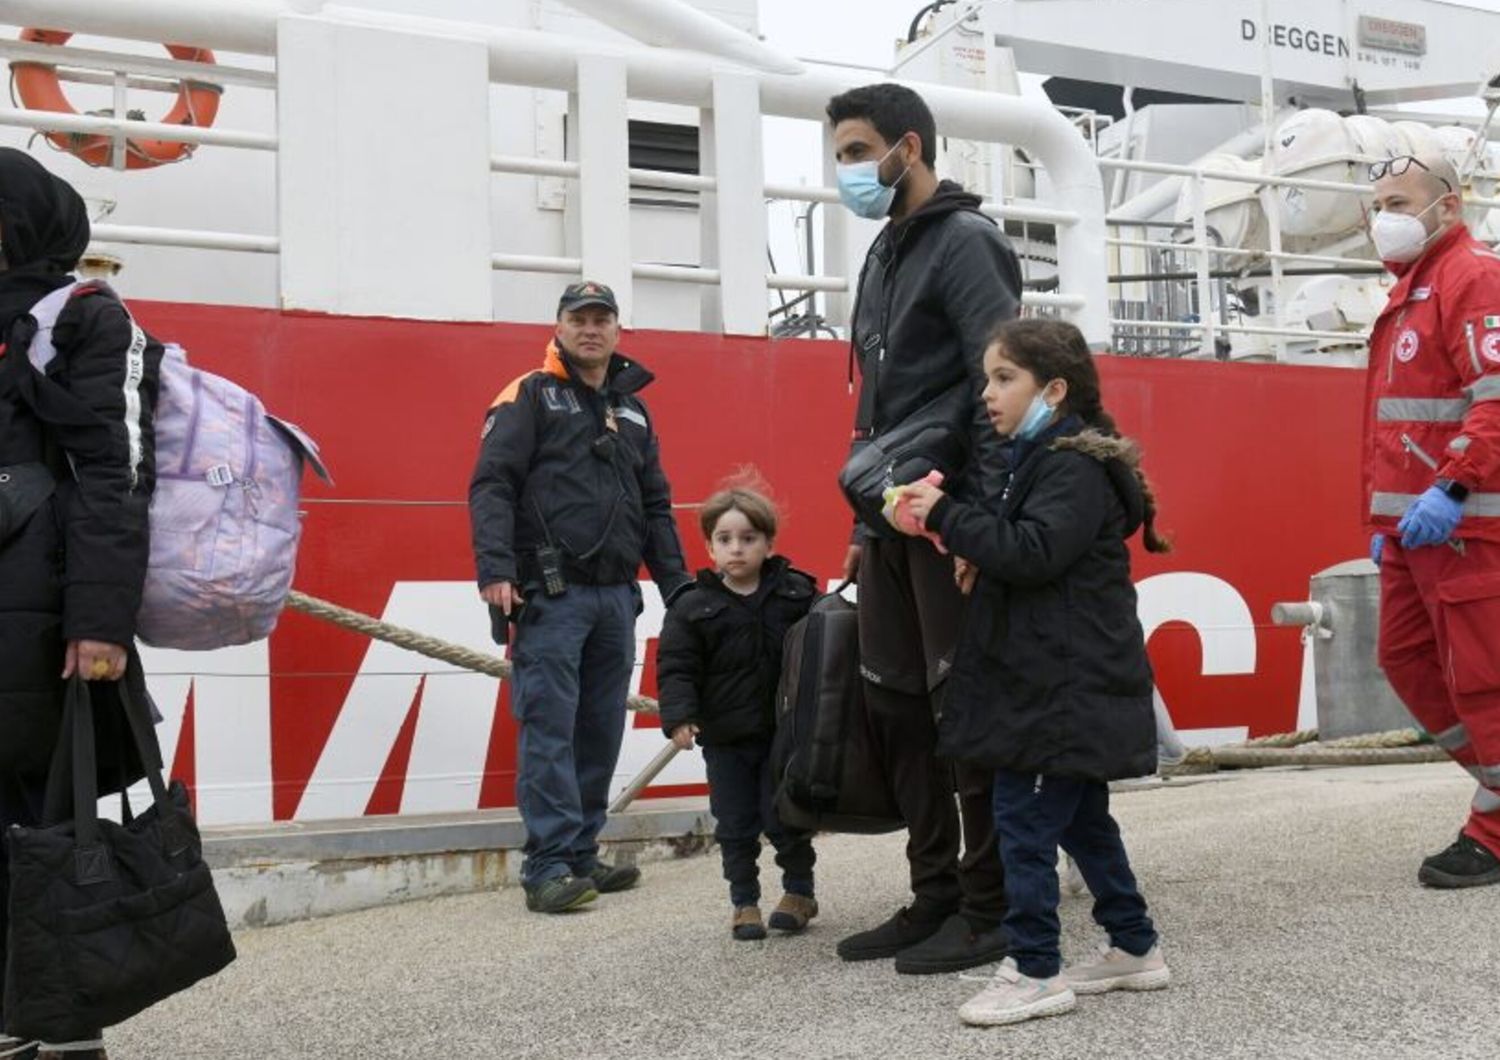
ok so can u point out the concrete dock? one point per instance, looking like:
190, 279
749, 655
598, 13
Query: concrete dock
1287, 900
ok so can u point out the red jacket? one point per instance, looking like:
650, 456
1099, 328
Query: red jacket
1432, 395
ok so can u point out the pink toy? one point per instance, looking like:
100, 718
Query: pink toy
898, 512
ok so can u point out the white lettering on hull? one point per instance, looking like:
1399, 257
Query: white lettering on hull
456, 709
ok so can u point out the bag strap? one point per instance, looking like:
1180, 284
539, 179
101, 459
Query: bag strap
57, 803
46, 313
75, 755
174, 837
145, 744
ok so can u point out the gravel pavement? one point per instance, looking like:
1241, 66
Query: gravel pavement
1287, 901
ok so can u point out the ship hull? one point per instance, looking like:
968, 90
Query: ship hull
1255, 466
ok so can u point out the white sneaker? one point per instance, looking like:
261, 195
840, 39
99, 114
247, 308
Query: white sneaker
1114, 969
1070, 879
1012, 997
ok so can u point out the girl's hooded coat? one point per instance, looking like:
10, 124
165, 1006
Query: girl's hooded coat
1051, 675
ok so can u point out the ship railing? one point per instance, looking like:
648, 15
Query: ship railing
124, 71
601, 83
1212, 324
773, 192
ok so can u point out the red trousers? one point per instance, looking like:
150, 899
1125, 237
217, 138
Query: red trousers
1440, 650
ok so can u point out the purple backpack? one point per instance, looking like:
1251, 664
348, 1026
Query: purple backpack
224, 518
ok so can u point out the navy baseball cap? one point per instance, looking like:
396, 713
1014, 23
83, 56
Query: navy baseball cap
587, 293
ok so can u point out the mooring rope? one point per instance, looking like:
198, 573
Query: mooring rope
422, 643
1282, 749
1303, 748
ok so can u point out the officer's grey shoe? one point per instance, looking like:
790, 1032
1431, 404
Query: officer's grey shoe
560, 894
611, 878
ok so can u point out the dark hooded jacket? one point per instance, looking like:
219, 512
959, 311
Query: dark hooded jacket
719, 658
933, 287
74, 552
1051, 675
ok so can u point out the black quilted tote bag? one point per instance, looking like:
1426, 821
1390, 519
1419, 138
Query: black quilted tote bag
105, 919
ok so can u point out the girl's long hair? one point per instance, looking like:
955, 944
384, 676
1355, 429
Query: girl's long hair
1050, 349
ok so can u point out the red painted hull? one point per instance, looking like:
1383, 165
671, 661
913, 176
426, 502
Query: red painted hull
1255, 466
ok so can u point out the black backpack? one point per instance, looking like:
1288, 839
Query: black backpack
828, 774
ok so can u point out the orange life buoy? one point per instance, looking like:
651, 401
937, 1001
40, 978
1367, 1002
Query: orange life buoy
197, 104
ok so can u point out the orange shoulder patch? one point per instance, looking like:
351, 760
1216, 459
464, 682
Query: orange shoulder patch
508, 395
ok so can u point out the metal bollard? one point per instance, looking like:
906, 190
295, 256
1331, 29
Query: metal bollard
1341, 621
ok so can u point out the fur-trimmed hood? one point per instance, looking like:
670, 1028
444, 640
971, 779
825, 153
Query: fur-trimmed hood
1120, 457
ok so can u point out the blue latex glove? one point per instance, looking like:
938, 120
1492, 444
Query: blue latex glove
1430, 520
1377, 548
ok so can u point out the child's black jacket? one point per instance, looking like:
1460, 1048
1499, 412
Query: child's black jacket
719, 658
1051, 674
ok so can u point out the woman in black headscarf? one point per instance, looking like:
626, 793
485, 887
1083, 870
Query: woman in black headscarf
76, 474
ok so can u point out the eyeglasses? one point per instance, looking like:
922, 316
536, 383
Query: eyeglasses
1394, 167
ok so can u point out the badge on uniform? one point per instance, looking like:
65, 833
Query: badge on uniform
1492, 322
559, 400
1407, 344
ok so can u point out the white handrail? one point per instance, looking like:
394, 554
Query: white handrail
1253, 252
1348, 337
51, 121
121, 62
186, 238
520, 165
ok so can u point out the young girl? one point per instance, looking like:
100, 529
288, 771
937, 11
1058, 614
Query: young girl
718, 663
1051, 684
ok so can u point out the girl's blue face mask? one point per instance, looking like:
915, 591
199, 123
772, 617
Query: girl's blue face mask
860, 188
1036, 420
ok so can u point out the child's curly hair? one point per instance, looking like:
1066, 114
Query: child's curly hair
747, 492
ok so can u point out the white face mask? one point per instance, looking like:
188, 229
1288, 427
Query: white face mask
1400, 237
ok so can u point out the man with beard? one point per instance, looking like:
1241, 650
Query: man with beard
937, 279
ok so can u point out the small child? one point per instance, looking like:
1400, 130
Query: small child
718, 664
1051, 684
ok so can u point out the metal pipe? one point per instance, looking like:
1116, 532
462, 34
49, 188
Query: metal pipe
1243, 329
644, 778
780, 281
1270, 255
50, 121
1244, 274
536, 263
675, 273
1174, 169
674, 24
140, 84
1052, 301
183, 237
164, 67
232, 25
1300, 613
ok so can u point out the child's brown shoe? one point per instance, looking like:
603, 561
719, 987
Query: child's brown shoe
746, 924
793, 912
